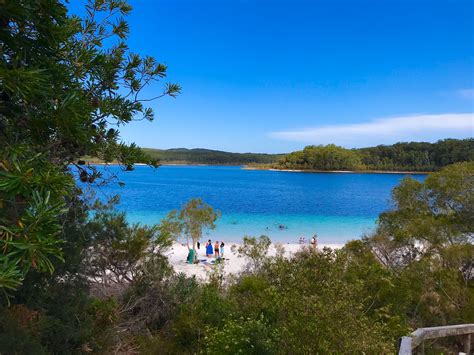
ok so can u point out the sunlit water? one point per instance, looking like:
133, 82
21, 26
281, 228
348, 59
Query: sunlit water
336, 206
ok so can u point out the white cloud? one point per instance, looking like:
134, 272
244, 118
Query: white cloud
466, 94
386, 130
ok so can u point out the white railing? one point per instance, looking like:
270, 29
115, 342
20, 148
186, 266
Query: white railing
417, 338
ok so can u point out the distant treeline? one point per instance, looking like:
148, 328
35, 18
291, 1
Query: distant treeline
414, 156
207, 156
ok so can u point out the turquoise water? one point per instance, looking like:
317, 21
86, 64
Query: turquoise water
336, 206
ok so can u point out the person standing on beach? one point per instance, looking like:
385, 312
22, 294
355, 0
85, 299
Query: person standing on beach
314, 241
222, 248
216, 249
198, 244
209, 248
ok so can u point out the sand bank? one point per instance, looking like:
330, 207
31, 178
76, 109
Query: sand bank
403, 172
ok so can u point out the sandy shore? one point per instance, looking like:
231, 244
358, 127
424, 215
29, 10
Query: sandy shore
404, 172
233, 264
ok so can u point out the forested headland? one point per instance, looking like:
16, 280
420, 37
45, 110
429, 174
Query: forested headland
413, 156
76, 277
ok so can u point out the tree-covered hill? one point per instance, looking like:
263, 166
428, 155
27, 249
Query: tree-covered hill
418, 155
412, 156
207, 156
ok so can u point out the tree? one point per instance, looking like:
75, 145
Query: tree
66, 84
254, 250
329, 157
426, 243
194, 217
432, 214
119, 252
412, 156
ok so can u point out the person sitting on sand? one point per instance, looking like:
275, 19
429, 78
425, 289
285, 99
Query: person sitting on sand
222, 248
191, 258
216, 249
209, 248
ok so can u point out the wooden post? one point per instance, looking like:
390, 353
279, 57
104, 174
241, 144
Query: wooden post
405, 346
467, 344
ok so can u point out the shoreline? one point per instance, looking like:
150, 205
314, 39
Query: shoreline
246, 167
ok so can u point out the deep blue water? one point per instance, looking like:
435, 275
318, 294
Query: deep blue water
336, 206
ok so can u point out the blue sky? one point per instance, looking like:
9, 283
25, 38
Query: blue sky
274, 76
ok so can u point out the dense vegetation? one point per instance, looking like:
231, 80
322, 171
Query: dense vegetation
75, 277
63, 95
117, 293
414, 156
211, 157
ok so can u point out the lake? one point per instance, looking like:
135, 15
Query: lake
336, 206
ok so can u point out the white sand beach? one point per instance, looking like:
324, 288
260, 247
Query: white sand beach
233, 264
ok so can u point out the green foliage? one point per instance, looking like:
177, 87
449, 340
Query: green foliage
61, 319
255, 296
241, 336
349, 300
80, 322
64, 83
119, 252
426, 242
318, 311
207, 156
17, 335
254, 250
192, 219
29, 225
434, 213
209, 307
418, 156
401, 156
301, 305
329, 157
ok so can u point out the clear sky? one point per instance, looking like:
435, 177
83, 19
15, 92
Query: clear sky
276, 75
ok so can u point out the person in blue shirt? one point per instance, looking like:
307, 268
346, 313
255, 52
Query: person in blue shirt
209, 249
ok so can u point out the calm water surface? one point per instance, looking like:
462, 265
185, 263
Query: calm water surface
336, 206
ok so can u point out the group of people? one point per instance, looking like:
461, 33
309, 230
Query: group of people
313, 242
216, 250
